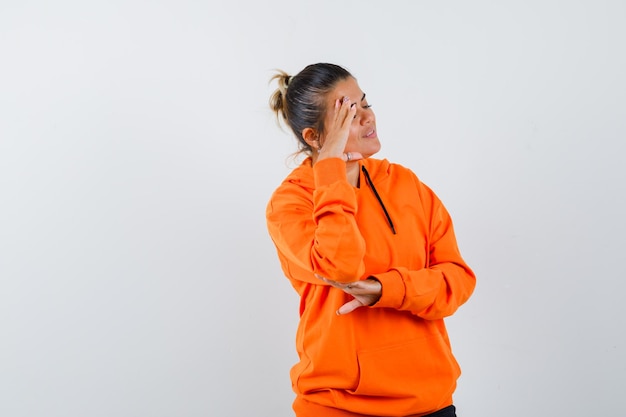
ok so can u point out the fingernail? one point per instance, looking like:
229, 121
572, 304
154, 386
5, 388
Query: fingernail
338, 313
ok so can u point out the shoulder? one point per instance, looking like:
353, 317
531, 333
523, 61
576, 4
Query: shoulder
300, 176
297, 186
398, 177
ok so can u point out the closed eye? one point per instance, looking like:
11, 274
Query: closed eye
365, 106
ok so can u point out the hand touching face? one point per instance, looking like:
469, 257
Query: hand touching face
350, 121
349, 125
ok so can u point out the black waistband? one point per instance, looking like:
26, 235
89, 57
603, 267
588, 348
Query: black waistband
449, 411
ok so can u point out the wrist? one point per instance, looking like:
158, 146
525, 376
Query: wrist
378, 294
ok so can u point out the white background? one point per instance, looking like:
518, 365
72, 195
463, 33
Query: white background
137, 153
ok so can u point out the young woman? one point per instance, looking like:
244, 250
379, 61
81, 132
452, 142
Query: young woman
372, 253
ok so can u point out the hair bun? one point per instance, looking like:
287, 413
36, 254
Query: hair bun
278, 99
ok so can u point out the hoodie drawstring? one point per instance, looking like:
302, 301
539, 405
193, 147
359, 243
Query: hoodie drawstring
371, 184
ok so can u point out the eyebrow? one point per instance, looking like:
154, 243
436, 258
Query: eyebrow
363, 98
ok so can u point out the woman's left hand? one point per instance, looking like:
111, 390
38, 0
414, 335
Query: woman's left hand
365, 292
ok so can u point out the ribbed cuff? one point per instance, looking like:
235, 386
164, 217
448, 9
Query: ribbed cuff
328, 171
393, 289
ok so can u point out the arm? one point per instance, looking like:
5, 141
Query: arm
313, 226
315, 232
446, 282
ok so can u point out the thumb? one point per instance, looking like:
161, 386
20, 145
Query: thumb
352, 156
349, 307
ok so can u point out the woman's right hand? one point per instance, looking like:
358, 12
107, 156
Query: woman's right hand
338, 132
366, 292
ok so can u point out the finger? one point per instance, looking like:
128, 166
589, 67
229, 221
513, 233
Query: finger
346, 111
352, 156
330, 282
349, 307
349, 115
338, 105
342, 105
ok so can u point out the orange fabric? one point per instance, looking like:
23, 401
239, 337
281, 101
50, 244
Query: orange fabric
393, 358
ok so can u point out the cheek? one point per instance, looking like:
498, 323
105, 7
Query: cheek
355, 130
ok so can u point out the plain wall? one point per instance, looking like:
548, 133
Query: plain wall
137, 154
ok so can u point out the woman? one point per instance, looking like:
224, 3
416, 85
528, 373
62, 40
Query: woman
372, 253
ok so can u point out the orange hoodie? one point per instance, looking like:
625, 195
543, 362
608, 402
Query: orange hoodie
393, 358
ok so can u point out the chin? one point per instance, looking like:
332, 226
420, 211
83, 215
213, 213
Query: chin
372, 151
369, 154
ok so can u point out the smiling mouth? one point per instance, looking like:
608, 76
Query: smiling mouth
370, 133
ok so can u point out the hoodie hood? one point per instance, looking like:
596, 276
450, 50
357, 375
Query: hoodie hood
378, 169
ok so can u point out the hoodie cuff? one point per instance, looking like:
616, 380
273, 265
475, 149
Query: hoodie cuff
328, 171
393, 289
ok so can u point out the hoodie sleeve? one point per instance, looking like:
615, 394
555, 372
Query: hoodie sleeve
447, 282
318, 234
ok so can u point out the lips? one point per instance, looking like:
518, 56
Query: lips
371, 133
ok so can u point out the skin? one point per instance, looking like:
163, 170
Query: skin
349, 128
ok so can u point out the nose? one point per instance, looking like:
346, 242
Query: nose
366, 116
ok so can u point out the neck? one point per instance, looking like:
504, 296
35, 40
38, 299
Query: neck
352, 173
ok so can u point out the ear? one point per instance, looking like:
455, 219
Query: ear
311, 137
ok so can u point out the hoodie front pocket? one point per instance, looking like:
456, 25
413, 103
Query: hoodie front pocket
423, 368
